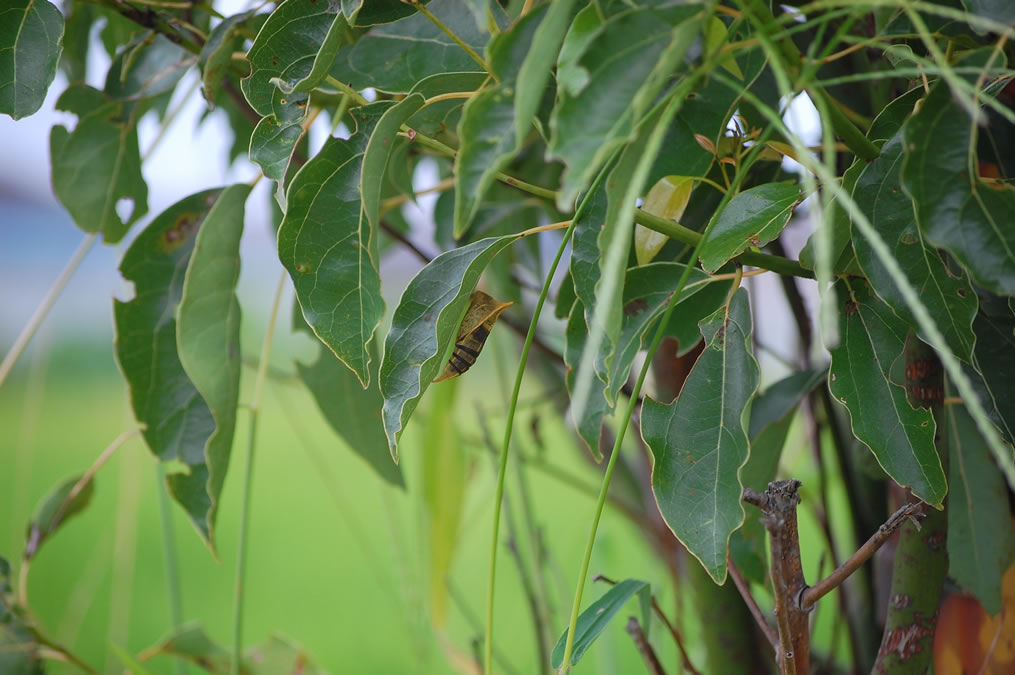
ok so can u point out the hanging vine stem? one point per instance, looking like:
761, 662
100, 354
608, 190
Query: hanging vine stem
636, 393
515, 392
254, 407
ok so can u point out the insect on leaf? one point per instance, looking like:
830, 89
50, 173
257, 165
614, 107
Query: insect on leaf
472, 333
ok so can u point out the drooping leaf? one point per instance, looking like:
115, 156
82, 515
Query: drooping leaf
597, 616
325, 242
424, 326
624, 65
752, 218
585, 247
30, 45
489, 139
994, 358
979, 520
445, 475
667, 199
394, 57
60, 505
208, 340
217, 53
594, 408
534, 73
772, 413
955, 210
98, 164
1001, 11
473, 332
191, 643
378, 152
176, 422
352, 412
946, 293
901, 437
565, 297
699, 442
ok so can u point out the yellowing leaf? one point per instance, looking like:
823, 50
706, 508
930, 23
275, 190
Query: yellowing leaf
667, 199
472, 333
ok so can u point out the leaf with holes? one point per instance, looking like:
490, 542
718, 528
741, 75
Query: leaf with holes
699, 442
208, 340
872, 337
98, 164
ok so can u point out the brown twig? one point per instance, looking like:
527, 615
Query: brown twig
778, 504
862, 555
648, 654
688, 666
752, 604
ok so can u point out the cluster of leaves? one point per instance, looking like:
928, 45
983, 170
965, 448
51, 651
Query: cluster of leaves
595, 106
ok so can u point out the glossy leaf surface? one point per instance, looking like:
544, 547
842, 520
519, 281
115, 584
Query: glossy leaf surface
954, 208
324, 242
945, 292
597, 616
424, 326
700, 441
901, 437
30, 48
752, 218
208, 340
98, 164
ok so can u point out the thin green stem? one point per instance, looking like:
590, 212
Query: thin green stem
421, 8
43, 309
636, 393
346, 89
248, 478
170, 558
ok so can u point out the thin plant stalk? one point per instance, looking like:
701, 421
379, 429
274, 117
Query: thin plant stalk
248, 478
170, 558
43, 309
636, 393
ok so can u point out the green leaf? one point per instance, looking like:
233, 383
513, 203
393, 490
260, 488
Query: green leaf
565, 297
440, 119
487, 129
56, 508
955, 210
175, 420
190, 643
593, 621
754, 217
946, 293
772, 413
979, 520
394, 57
19, 650
901, 437
217, 53
585, 247
352, 412
647, 293
1001, 11
98, 164
326, 244
587, 24
699, 442
363, 13
378, 152
994, 358
424, 327
208, 340
280, 655
128, 662
272, 144
594, 407
534, 73
147, 67
839, 228
445, 475
30, 35
626, 63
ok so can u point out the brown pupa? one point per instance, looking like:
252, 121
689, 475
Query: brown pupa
473, 333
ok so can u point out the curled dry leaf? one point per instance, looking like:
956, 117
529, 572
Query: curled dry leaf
473, 333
